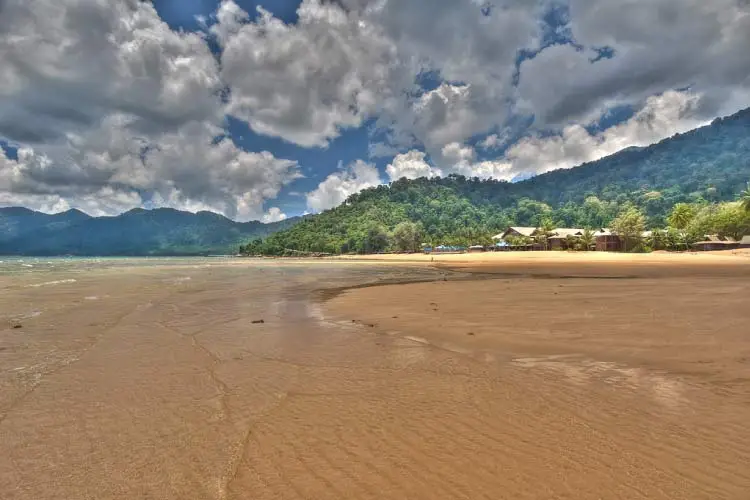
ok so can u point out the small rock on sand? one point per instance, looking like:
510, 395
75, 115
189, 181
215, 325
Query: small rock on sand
258, 322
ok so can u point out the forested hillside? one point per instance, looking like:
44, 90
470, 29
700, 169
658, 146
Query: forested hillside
137, 232
704, 166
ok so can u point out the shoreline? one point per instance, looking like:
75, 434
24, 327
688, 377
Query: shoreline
535, 265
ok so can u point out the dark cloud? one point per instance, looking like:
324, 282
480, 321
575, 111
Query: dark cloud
656, 45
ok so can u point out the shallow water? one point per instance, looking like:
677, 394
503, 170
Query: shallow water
141, 378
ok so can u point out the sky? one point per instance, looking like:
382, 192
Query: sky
262, 110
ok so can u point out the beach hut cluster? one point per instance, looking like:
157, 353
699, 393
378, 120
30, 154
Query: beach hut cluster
518, 238
716, 242
562, 238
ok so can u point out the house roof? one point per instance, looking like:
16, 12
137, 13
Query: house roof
524, 231
715, 238
564, 232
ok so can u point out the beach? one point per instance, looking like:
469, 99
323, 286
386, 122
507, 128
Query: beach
535, 375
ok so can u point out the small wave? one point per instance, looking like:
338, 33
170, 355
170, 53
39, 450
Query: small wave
58, 282
92, 297
26, 265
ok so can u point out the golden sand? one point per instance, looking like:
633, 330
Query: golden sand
546, 376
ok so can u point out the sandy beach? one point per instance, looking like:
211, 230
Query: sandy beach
633, 371
544, 375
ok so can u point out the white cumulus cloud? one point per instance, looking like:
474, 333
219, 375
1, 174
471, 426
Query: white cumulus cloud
411, 165
337, 187
305, 82
111, 109
274, 214
661, 117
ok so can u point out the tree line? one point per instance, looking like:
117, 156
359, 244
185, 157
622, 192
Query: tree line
405, 216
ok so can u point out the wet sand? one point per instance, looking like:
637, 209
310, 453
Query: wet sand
152, 381
616, 376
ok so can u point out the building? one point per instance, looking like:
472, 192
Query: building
745, 242
559, 239
607, 241
518, 232
716, 242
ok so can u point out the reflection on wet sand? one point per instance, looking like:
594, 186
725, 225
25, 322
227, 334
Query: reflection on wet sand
164, 387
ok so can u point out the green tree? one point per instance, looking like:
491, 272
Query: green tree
572, 242
531, 212
543, 233
587, 239
681, 215
376, 239
745, 198
628, 226
724, 219
657, 240
407, 236
675, 239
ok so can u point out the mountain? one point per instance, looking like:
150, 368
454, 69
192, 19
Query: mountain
709, 164
161, 231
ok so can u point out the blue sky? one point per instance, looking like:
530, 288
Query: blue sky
317, 162
183, 13
352, 144
209, 105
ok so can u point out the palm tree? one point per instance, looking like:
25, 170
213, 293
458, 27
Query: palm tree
571, 242
628, 226
745, 198
682, 214
657, 241
543, 233
587, 239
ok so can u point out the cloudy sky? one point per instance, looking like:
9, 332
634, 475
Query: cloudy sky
272, 108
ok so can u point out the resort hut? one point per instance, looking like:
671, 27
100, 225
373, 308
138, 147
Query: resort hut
745, 241
606, 241
716, 242
519, 232
559, 238
515, 233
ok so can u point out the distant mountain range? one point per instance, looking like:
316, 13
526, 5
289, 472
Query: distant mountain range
138, 232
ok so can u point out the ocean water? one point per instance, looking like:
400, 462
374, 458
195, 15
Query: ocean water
10, 265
